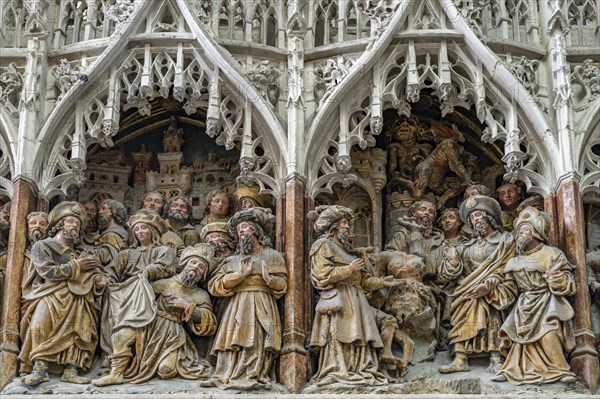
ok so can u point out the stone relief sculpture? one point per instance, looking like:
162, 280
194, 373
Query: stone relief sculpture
344, 330
538, 330
419, 166
249, 335
178, 211
477, 268
130, 275
64, 308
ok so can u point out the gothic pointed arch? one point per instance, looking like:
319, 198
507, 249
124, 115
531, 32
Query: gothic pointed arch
142, 63
447, 59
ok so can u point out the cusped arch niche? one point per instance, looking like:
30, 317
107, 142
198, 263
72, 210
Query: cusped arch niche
376, 195
167, 151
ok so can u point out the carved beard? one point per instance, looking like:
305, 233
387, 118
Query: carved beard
92, 225
426, 226
344, 239
103, 222
35, 235
480, 229
245, 245
177, 217
522, 243
72, 234
189, 278
219, 247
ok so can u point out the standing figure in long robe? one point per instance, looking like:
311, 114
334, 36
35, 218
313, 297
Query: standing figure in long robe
538, 331
345, 330
477, 267
64, 303
249, 334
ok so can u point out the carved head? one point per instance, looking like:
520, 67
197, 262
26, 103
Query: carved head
217, 204
509, 196
178, 209
476, 189
69, 218
218, 236
424, 211
147, 227
91, 210
195, 263
36, 225
449, 221
111, 209
155, 201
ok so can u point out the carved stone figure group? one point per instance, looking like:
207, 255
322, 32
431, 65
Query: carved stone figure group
140, 288
137, 290
499, 293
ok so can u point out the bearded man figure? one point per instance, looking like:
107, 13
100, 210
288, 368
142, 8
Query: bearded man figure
249, 336
218, 235
538, 331
179, 212
36, 227
345, 327
477, 268
166, 348
63, 300
112, 238
418, 236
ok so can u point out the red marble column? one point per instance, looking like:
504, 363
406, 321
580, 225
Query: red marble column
293, 361
23, 201
571, 237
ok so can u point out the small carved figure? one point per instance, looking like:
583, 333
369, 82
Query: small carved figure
217, 208
343, 315
167, 350
249, 197
538, 330
424, 167
509, 196
411, 302
179, 211
477, 268
64, 320
249, 336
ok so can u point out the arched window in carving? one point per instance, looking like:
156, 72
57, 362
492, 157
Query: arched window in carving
352, 24
225, 27
264, 24
522, 20
326, 22
583, 20
239, 20
362, 234
12, 24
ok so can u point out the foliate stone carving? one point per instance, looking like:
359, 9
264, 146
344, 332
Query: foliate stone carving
585, 82
121, 10
376, 125
380, 11
203, 9
35, 24
330, 74
526, 71
11, 84
265, 78
66, 76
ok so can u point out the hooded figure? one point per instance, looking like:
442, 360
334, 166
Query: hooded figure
538, 331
